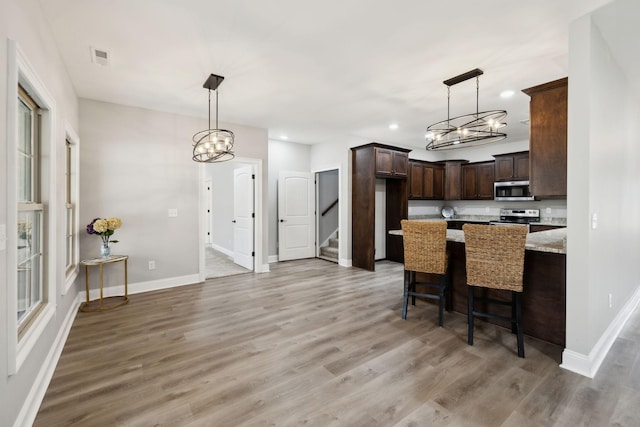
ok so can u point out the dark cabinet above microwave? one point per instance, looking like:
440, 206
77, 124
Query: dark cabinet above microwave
512, 166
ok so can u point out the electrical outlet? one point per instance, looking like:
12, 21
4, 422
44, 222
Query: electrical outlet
594, 221
610, 300
548, 210
152, 265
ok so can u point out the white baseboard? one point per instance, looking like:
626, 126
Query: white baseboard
588, 365
32, 403
345, 262
137, 288
272, 259
225, 251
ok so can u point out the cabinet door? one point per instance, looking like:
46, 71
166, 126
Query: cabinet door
469, 182
504, 168
520, 166
384, 162
484, 184
548, 139
400, 164
438, 183
416, 180
428, 182
453, 180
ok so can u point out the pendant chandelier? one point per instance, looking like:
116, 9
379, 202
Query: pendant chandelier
470, 129
213, 145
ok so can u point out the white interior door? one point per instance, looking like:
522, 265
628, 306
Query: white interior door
296, 216
243, 216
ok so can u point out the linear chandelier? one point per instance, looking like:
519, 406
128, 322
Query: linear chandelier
467, 130
213, 145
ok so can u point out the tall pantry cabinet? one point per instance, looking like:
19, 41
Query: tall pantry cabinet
368, 163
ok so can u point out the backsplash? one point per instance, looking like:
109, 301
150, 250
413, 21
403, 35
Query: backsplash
554, 210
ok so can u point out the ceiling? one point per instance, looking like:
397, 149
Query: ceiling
318, 71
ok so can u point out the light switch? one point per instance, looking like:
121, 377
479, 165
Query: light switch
173, 213
3, 237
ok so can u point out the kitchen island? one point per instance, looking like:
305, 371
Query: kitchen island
543, 299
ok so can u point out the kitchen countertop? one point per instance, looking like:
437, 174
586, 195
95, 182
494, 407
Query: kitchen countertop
554, 241
561, 222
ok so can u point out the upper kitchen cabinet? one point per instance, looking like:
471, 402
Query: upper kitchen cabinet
391, 162
453, 179
426, 180
512, 167
477, 181
548, 139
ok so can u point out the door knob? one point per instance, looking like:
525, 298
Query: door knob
234, 221
282, 220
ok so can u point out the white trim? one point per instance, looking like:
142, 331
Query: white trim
345, 262
342, 227
588, 365
272, 259
72, 136
32, 403
140, 287
19, 70
219, 248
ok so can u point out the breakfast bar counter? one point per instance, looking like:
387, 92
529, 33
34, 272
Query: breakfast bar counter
544, 296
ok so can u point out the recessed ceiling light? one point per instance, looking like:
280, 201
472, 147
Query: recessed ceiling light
507, 93
393, 126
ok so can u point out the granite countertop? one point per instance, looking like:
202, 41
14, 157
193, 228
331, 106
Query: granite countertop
561, 222
554, 241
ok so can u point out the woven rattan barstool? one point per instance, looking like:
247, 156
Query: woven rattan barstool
495, 260
425, 251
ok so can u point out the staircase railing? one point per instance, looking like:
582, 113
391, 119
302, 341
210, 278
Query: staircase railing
324, 212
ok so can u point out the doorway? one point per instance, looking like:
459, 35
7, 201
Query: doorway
328, 215
230, 218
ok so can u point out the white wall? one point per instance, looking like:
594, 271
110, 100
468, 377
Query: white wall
23, 22
283, 156
139, 166
603, 177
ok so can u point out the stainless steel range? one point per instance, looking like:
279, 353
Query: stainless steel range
517, 216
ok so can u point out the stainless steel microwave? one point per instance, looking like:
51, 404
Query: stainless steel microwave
512, 191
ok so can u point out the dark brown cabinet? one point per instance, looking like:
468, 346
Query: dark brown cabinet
453, 179
368, 162
391, 163
477, 181
548, 139
512, 167
426, 180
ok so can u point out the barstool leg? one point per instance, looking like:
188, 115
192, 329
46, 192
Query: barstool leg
413, 287
441, 301
514, 321
519, 324
405, 299
470, 316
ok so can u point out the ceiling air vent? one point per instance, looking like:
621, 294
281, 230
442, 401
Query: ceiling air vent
100, 56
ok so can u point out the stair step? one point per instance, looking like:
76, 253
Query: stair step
333, 243
329, 251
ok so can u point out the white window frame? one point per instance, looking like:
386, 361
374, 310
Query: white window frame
74, 141
19, 71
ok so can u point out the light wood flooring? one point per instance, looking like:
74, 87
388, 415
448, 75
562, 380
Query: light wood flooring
315, 344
